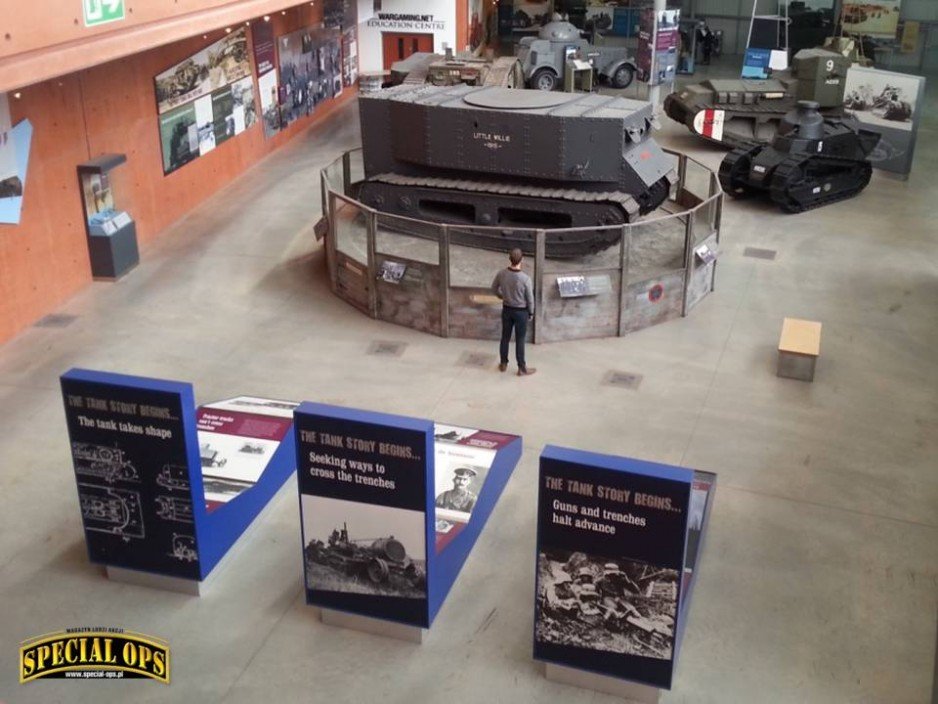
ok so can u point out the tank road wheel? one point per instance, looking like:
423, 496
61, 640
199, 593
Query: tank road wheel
622, 77
734, 171
544, 79
378, 571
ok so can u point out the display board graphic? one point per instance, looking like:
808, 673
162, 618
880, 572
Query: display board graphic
121, 440
265, 59
391, 506
14, 161
140, 470
890, 104
205, 100
658, 41
873, 17
612, 576
363, 482
310, 71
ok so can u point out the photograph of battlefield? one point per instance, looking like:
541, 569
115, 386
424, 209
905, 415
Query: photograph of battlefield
364, 548
887, 101
601, 603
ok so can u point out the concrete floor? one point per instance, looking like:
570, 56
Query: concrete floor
820, 573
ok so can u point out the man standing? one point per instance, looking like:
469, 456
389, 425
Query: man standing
515, 290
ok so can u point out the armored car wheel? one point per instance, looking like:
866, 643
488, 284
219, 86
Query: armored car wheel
544, 79
734, 171
622, 77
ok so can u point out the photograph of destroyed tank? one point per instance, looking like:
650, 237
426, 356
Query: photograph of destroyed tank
602, 603
363, 548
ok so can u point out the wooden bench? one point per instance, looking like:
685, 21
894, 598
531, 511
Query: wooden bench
798, 349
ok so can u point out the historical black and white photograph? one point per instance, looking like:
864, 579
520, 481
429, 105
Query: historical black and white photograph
459, 473
603, 603
364, 548
392, 272
881, 97
451, 433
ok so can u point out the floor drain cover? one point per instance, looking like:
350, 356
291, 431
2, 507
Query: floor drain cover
624, 379
476, 359
386, 348
56, 320
757, 253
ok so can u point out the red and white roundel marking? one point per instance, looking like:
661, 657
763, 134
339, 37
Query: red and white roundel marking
709, 123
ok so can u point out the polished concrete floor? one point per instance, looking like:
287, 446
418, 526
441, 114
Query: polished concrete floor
820, 572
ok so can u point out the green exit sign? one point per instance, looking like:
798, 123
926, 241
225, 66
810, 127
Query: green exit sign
102, 11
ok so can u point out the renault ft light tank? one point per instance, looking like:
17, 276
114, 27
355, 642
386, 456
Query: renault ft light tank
737, 112
379, 561
513, 160
543, 57
812, 161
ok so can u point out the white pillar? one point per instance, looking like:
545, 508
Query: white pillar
654, 92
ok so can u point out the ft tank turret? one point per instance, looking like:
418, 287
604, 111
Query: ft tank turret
738, 112
812, 161
514, 162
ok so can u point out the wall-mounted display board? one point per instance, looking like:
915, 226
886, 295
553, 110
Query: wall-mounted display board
618, 547
874, 17
343, 16
205, 100
112, 234
265, 59
388, 512
310, 71
891, 104
14, 160
163, 487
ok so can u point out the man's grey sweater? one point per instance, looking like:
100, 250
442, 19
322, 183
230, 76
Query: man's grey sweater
515, 289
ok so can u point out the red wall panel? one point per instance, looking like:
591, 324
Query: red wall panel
111, 108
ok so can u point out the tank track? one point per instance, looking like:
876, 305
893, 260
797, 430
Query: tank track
727, 173
795, 181
575, 242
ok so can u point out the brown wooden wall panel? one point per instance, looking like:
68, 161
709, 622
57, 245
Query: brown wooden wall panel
111, 108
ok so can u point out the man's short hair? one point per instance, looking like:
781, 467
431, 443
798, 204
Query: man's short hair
515, 256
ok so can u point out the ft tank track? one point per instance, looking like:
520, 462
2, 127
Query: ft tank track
801, 184
401, 195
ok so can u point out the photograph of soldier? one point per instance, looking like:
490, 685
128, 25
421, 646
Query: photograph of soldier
611, 604
460, 497
363, 548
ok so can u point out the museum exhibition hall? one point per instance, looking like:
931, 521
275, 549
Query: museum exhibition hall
469, 350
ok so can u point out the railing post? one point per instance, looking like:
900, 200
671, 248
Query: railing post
540, 249
346, 173
625, 254
688, 257
331, 266
371, 229
444, 280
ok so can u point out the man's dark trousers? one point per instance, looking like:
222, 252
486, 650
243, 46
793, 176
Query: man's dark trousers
517, 319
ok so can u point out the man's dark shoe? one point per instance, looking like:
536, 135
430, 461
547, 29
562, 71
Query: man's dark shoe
502, 366
526, 372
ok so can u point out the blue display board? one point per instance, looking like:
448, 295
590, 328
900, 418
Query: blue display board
756, 63
373, 536
139, 473
618, 542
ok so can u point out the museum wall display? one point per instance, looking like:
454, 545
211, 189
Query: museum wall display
619, 542
112, 234
121, 93
14, 163
165, 487
391, 506
310, 71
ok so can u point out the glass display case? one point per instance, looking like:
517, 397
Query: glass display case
112, 235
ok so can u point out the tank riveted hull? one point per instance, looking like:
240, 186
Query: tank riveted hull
500, 165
